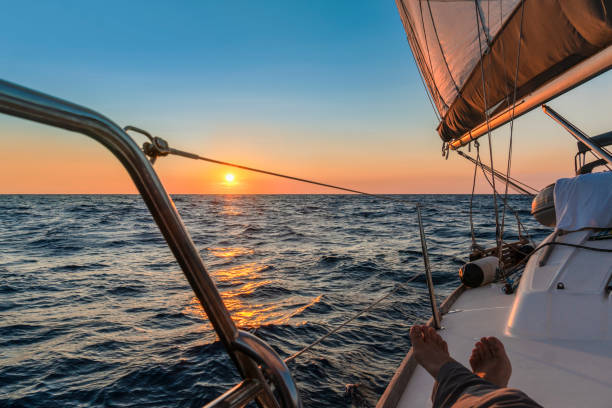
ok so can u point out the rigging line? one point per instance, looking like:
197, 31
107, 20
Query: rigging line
486, 112
429, 97
501, 44
352, 318
414, 45
472, 196
518, 220
159, 147
399, 285
484, 30
198, 157
477, 163
489, 21
518, 58
430, 67
450, 74
524, 260
514, 183
425, 37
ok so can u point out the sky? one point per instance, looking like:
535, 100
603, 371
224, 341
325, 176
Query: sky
318, 89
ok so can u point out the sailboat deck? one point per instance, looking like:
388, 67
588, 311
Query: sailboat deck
554, 373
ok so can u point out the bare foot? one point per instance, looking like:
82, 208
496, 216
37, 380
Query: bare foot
490, 362
430, 350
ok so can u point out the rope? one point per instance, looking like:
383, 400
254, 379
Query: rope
450, 74
518, 220
477, 162
355, 316
427, 49
486, 112
398, 286
429, 97
518, 58
417, 53
524, 260
514, 183
483, 167
159, 147
379, 196
477, 145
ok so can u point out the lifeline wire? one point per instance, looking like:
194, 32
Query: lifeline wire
160, 147
361, 312
238, 166
398, 286
163, 149
588, 248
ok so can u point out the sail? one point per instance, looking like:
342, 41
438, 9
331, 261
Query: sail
478, 56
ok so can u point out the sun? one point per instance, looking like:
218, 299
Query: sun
229, 177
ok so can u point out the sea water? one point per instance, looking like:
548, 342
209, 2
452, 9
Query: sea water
95, 311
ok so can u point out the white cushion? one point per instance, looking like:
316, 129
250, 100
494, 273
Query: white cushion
584, 201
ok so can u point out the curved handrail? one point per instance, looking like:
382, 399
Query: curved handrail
19, 101
261, 352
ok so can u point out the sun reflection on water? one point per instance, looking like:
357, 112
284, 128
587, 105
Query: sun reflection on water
230, 252
250, 271
252, 316
240, 298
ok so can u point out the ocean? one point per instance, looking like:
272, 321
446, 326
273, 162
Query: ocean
94, 310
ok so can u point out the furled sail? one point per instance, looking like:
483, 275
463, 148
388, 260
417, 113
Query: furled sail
469, 56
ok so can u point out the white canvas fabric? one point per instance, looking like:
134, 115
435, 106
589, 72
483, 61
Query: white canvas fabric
584, 202
447, 35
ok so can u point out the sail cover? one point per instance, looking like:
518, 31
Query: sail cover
467, 50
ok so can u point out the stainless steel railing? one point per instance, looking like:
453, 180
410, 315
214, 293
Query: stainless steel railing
258, 364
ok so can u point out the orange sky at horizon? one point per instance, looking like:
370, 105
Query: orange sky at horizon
401, 158
315, 90
41, 160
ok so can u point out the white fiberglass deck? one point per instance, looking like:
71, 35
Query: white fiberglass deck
556, 374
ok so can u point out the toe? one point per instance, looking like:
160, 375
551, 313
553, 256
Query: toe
474, 358
491, 350
483, 350
431, 332
416, 334
496, 344
479, 351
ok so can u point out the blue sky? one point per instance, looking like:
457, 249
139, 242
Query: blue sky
296, 86
249, 58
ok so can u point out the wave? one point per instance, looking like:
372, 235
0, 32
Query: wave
96, 312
